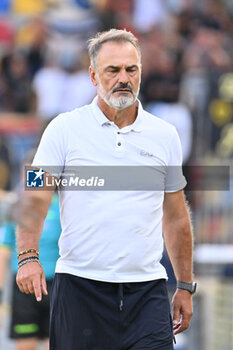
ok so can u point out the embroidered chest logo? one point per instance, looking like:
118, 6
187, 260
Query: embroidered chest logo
146, 154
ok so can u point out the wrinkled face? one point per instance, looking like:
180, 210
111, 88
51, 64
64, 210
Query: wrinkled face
118, 74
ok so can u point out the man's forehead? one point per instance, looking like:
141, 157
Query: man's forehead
114, 53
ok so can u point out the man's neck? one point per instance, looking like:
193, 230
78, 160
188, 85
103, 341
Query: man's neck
121, 117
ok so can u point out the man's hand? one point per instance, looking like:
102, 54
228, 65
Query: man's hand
31, 280
182, 310
33, 210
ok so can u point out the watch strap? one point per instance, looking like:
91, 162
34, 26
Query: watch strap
190, 287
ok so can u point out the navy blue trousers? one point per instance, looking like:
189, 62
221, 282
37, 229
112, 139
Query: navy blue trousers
94, 315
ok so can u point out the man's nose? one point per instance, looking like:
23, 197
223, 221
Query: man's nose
123, 77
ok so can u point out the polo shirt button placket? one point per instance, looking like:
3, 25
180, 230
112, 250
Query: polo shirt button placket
119, 146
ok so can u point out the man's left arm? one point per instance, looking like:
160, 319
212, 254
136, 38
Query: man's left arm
179, 244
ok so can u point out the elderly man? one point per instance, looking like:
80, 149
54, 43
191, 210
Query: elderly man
110, 288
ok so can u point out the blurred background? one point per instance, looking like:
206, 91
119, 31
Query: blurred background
187, 79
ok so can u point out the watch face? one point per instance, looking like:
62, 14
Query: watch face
194, 287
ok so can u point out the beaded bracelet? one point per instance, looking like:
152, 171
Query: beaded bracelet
27, 260
28, 251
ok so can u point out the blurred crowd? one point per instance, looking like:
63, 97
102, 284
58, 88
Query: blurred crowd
187, 50
187, 79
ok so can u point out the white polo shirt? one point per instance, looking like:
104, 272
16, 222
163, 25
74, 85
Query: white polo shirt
113, 236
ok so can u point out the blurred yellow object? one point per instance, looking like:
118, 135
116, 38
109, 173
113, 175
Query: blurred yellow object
29, 7
221, 112
226, 86
224, 146
25, 36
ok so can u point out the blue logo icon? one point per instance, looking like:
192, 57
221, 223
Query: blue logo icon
34, 178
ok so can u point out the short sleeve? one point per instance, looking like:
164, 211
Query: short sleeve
50, 155
175, 180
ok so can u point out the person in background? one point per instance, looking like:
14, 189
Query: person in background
29, 319
16, 92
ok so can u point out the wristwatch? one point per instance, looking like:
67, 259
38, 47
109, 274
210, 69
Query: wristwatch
190, 287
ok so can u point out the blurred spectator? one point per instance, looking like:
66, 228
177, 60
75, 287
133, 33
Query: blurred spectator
78, 88
215, 15
16, 91
160, 91
209, 49
185, 45
63, 85
32, 36
148, 13
116, 14
4, 166
69, 26
48, 85
178, 115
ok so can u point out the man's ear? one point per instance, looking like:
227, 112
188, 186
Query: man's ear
92, 73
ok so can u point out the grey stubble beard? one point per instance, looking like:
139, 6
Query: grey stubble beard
119, 103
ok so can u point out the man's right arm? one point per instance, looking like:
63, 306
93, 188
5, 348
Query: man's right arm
33, 211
